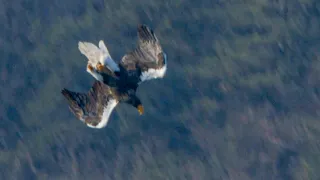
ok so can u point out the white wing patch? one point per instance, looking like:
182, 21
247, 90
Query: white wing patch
106, 114
154, 73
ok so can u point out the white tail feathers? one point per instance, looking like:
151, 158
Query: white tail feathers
103, 47
107, 57
95, 54
91, 51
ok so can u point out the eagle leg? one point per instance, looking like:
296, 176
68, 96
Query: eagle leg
89, 67
99, 67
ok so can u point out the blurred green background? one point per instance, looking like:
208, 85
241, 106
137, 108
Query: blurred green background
240, 99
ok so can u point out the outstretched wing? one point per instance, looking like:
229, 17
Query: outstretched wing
93, 108
147, 61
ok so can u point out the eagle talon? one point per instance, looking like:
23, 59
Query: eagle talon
90, 67
99, 67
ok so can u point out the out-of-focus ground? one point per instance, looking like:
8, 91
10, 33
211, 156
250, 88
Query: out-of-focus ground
240, 100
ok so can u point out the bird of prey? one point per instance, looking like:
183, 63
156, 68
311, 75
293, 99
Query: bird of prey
116, 82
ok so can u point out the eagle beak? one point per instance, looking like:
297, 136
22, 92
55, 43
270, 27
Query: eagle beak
140, 109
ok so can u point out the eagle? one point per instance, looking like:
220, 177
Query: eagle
116, 82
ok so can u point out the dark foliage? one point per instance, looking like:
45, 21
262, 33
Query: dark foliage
240, 99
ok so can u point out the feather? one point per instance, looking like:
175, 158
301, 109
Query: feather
107, 60
148, 60
91, 51
93, 108
97, 55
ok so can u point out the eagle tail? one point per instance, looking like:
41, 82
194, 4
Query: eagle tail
104, 48
107, 60
89, 50
146, 34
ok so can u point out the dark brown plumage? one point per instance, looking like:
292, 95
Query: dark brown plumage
116, 82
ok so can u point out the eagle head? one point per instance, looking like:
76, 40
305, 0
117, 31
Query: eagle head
135, 102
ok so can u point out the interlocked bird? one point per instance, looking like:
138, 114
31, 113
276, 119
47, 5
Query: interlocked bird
116, 82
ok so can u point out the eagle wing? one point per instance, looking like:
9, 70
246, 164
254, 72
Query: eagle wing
93, 108
147, 61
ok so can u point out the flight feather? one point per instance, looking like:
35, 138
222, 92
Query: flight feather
93, 108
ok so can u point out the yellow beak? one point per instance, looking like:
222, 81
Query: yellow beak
140, 109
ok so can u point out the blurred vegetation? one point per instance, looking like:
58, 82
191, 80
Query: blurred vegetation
240, 99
